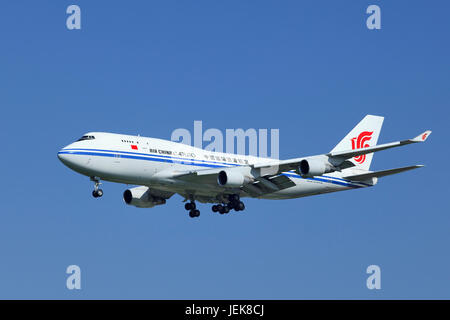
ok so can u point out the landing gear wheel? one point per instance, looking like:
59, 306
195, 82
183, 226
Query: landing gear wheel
233, 204
190, 206
215, 208
97, 193
240, 206
194, 213
221, 209
226, 209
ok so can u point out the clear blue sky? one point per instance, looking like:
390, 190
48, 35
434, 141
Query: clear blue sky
311, 69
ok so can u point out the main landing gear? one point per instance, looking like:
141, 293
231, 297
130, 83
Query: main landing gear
234, 203
193, 211
96, 193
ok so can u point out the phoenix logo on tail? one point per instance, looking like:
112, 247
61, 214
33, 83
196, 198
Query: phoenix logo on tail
359, 142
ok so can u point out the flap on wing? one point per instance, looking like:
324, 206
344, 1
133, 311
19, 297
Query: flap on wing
379, 174
264, 185
160, 193
282, 181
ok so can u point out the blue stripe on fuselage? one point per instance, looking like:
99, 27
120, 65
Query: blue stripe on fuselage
127, 156
168, 159
152, 155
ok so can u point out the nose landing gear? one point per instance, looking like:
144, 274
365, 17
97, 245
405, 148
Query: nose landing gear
96, 193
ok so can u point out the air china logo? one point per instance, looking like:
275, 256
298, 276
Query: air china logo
424, 136
360, 142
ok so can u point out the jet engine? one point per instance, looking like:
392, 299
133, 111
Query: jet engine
315, 167
141, 198
231, 178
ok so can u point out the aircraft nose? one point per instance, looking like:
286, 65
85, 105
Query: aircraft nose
74, 159
65, 156
62, 156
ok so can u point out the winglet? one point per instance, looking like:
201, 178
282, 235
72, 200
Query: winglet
422, 137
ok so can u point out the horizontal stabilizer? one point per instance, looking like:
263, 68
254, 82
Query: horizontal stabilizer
379, 174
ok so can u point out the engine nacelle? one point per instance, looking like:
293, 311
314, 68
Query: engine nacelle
314, 167
141, 198
231, 178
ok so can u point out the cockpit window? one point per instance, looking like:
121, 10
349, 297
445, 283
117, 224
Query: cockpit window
86, 138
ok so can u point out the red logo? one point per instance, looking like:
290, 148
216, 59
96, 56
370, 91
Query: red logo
424, 136
359, 143
134, 147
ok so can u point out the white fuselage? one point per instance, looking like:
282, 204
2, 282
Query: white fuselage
152, 162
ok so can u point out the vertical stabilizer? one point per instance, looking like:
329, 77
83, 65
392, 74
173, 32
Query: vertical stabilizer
364, 135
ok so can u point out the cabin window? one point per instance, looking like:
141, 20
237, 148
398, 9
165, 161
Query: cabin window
86, 138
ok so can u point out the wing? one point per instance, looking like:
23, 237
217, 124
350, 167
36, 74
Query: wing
338, 159
256, 184
266, 177
354, 153
268, 184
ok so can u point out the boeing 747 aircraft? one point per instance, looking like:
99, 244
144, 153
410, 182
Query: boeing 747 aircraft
162, 168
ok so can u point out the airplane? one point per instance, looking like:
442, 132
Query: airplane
161, 168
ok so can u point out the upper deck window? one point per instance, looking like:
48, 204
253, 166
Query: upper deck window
86, 138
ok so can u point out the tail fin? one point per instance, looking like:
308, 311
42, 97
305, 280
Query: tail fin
364, 135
